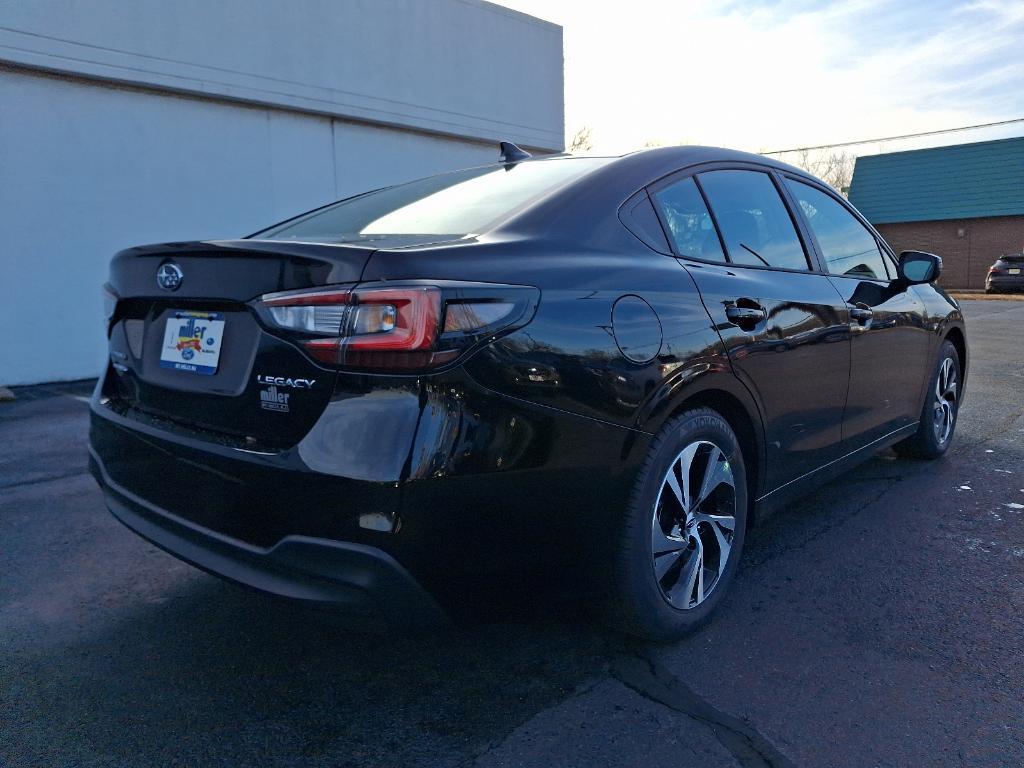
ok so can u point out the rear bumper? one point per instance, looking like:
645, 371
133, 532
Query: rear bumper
1005, 282
393, 496
360, 578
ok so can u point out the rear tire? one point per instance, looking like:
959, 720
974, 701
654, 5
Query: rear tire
680, 541
940, 410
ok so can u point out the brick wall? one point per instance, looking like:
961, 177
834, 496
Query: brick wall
967, 246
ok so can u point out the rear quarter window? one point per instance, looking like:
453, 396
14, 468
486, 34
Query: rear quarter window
689, 223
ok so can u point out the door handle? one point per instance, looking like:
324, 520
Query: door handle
861, 314
745, 316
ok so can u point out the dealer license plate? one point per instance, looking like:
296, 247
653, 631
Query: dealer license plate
192, 342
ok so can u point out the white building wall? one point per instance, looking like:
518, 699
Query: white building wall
111, 134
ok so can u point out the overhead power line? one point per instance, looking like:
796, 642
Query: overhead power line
894, 138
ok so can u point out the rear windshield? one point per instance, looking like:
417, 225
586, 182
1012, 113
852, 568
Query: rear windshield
453, 204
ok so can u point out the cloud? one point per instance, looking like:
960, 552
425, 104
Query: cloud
763, 74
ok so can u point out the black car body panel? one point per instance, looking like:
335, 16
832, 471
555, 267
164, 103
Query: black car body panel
423, 471
803, 414
238, 270
504, 450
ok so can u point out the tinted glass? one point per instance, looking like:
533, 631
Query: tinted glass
848, 247
754, 221
458, 203
919, 269
689, 222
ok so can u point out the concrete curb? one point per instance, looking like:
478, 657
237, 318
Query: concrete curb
962, 295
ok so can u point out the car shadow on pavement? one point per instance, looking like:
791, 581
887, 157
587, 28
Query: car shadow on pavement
214, 672
165, 665
200, 670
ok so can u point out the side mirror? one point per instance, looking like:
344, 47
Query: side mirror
919, 267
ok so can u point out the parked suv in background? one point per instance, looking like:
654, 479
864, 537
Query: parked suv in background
1007, 274
615, 363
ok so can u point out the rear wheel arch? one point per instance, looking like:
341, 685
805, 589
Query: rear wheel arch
745, 421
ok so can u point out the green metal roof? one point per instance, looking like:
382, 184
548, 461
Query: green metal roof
960, 182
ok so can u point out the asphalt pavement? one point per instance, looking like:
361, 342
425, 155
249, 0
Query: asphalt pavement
879, 622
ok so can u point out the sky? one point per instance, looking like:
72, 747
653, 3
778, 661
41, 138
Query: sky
762, 75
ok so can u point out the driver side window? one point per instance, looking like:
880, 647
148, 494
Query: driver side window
848, 247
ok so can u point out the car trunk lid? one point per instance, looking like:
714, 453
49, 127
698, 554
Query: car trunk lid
236, 270
263, 392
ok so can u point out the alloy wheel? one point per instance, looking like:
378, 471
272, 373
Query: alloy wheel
693, 524
945, 400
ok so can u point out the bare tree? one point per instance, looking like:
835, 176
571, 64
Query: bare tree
580, 141
831, 166
655, 143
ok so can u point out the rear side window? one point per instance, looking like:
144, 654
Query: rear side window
689, 223
755, 223
848, 247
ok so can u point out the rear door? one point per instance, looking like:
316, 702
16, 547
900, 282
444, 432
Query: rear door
784, 325
890, 344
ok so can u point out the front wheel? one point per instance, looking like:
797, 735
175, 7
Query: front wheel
680, 541
940, 410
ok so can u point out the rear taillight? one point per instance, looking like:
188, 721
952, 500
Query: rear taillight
109, 305
405, 327
109, 301
318, 312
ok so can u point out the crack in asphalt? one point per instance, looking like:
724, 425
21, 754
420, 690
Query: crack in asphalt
494, 744
44, 479
656, 683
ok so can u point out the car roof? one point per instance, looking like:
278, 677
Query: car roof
669, 159
601, 191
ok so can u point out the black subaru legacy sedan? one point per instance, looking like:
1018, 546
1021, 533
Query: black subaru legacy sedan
614, 366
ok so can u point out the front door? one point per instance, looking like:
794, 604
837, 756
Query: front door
889, 347
785, 327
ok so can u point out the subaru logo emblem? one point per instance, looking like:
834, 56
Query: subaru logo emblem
169, 276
